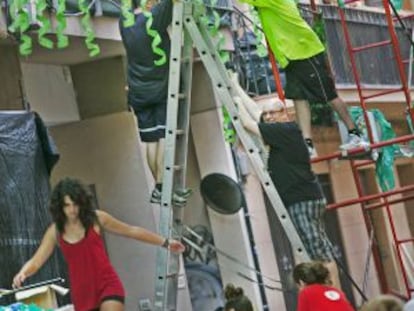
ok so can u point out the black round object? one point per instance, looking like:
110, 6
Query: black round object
222, 193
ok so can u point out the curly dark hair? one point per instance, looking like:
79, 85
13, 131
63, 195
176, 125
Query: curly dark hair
80, 195
236, 300
313, 272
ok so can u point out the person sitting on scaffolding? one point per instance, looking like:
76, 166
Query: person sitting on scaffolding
290, 170
300, 52
148, 86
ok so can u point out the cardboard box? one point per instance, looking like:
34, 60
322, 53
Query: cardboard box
43, 296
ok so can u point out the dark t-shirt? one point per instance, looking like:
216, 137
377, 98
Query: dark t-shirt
148, 83
289, 163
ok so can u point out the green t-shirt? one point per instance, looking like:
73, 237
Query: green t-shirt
289, 35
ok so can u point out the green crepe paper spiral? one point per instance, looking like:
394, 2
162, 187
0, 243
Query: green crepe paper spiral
156, 38
20, 16
41, 5
229, 132
62, 40
128, 16
86, 24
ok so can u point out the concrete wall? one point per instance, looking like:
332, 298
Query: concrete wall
50, 92
11, 87
100, 87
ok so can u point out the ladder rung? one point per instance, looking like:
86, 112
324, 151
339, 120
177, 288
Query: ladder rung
179, 132
181, 96
403, 17
350, 1
384, 93
369, 46
177, 167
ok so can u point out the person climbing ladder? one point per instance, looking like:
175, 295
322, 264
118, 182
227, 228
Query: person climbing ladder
299, 51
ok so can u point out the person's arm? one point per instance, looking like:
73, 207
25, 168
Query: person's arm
116, 226
251, 106
39, 258
246, 119
162, 13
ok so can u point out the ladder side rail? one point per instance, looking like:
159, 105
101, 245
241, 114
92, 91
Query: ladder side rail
163, 278
369, 227
222, 86
397, 248
397, 52
354, 68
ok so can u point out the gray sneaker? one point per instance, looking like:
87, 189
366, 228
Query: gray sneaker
155, 196
184, 193
354, 141
312, 152
177, 200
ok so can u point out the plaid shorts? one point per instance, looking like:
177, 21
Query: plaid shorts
308, 220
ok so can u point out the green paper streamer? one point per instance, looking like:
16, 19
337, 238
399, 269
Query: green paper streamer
21, 24
128, 16
229, 132
86, 24
156, 39
62, 40
41, 5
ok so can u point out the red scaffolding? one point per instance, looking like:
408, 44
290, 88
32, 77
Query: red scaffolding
384, 197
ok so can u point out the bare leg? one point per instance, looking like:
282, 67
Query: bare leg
341, 108
111, 305
159, 161
303, 117
151, 149
333, 271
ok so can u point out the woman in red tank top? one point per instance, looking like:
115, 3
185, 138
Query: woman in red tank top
77, 230
316, 293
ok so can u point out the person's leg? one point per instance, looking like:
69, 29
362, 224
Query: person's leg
159, 161
151, 152
303, 117
111, 305
342, 109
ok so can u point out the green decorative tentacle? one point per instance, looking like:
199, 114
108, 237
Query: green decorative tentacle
128, 16
156, 40
86, 24
62, 39
41, 6
21, 24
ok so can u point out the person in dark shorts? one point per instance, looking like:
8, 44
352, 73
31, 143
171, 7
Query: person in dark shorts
148, 86
77, 229
290, 170
299, 51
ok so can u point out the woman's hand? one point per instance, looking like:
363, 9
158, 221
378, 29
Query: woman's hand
19, 279
176, 246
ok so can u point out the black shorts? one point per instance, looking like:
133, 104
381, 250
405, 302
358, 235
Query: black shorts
151, 120
310, 79
116, 298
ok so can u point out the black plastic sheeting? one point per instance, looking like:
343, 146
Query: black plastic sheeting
27, 156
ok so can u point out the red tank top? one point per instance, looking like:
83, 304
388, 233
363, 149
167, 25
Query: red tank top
91, 275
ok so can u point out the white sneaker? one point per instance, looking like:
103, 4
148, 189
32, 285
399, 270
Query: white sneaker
354, 141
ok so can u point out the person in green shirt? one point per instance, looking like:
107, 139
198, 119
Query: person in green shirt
299, 51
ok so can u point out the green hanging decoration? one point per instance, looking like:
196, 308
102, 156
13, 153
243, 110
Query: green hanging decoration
41, 6
319, 27
229, 132
21, 24
128, 16
62, 39
156, 38
86, 24
261, 49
